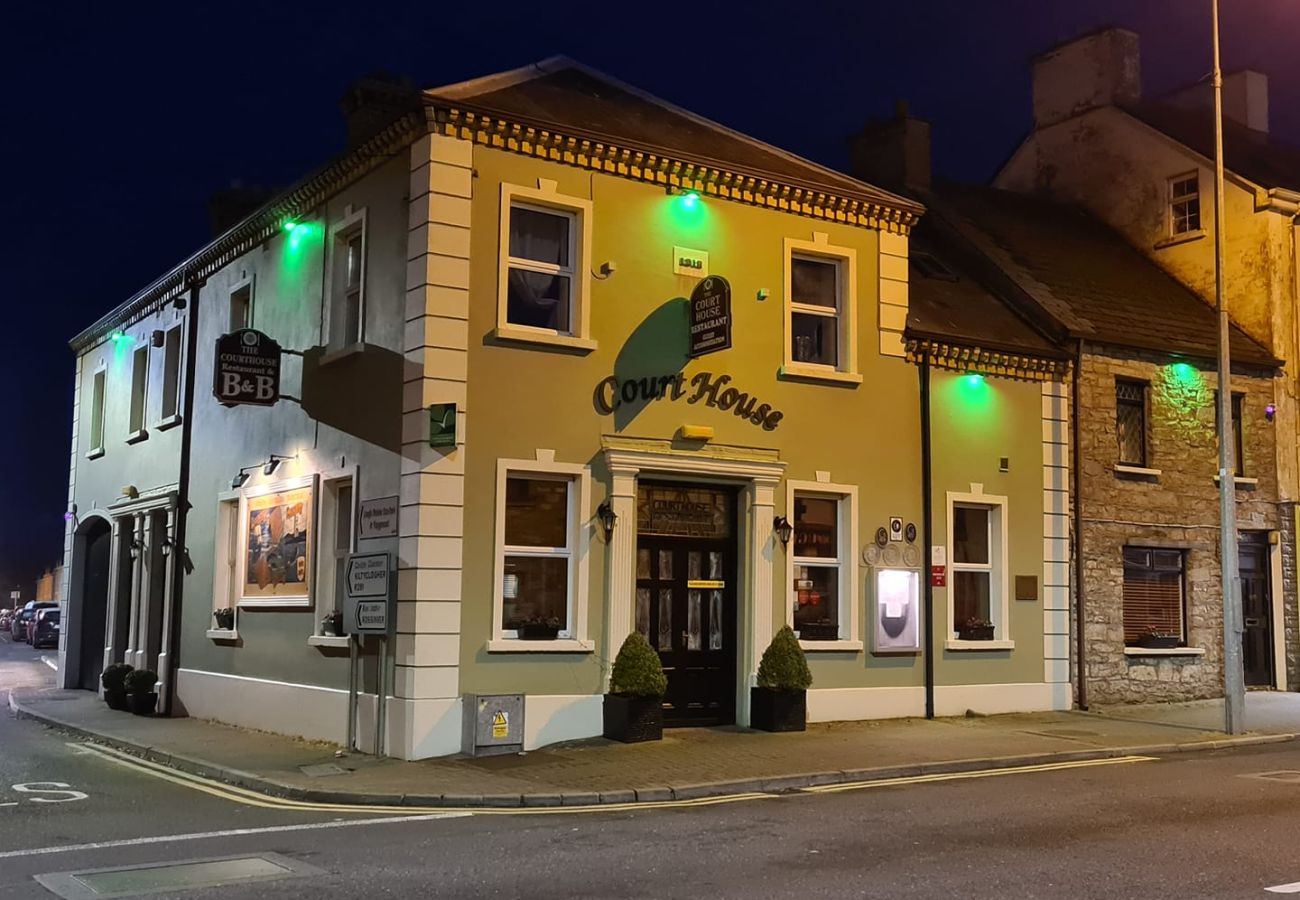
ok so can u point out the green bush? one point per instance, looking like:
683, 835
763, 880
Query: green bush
783, 667
637, 670
141, 681
114, 677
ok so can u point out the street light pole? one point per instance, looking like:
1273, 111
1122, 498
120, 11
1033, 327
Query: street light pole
1234, 687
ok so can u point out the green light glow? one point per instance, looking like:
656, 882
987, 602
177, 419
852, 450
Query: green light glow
974, 380
289, 225
1182, 388
118, 336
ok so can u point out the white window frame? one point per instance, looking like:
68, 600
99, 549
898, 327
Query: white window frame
573, 637
1170, 229
997, 567
140, 432
98, 404
341, 232
224, 559
547, 198
167, 421
846, 560
250, 284
820, 249
326, 598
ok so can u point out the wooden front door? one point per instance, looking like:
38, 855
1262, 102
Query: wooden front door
1256, 609
686, 597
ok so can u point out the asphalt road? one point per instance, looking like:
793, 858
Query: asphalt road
1197, 825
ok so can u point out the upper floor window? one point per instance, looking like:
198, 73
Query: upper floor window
139, 391
545, 253
1131, 421
241, 307
820, 291
348, 281
171, 385
1238, 445
1184, 204
97, 390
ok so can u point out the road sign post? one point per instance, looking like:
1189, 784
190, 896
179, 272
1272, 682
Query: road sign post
368, 609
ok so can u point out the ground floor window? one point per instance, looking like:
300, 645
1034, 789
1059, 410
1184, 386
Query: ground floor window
977, 547
1153, 594
822, 572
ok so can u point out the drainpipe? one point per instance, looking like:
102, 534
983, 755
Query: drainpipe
927, 526
179, 550
1081, 646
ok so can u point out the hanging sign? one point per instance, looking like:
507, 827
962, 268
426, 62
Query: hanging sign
247, 369
710, 316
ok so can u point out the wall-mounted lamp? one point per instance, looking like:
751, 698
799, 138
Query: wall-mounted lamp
241, 477
1270, 411
784, 530
131, 492
608, 518
274, 463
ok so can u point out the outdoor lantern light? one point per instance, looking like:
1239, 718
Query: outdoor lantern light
784, 530
608, 518
1270, 411
240, 479
273, 463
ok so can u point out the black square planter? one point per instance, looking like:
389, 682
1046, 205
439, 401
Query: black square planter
981, 633
1158, 641
536, 632
633, 719
773, 710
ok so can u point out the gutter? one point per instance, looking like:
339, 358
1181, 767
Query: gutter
927, 526
1081, 644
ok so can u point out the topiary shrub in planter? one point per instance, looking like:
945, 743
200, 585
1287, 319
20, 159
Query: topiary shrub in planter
634, 706
114, 681
139, 692
780, 702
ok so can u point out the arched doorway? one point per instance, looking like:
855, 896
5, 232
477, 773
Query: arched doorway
89, 604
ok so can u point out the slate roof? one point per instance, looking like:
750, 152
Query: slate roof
1255, 155
559, 94
1086, 276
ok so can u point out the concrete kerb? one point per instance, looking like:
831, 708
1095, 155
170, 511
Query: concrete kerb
651, 794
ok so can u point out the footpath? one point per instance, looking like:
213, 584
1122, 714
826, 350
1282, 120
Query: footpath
687, 763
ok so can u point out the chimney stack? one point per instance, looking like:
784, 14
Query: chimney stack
894, 153
374, 102
1101, 68
227, 207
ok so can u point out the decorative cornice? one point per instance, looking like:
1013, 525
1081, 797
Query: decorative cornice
962, 358
260, 226
667, 171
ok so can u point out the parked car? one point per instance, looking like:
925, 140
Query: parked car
6, 617
22, 621
45, 628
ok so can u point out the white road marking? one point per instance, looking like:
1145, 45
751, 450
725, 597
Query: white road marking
34, 787
9, 804
1292, 888
51, 663
233, 832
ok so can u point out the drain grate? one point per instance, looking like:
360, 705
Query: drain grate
133, 881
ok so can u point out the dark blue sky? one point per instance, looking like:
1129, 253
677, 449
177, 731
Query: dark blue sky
120, 119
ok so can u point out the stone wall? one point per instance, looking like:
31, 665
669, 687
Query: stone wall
1173, 504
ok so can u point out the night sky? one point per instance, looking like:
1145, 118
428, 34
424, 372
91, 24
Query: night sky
120, 119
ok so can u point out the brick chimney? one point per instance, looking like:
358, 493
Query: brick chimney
1245, 98
228, 206
893, 153
1100, 68
375, 101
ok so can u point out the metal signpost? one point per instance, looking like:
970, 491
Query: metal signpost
368, 609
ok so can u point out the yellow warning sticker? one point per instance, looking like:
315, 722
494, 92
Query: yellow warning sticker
500, 725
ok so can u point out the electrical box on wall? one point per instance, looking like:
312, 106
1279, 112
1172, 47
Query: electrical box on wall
494, 724
896, 611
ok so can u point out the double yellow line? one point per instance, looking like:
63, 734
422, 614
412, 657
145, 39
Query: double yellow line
252, 798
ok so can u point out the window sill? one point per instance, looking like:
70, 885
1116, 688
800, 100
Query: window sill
136, 437
1138, 471
222, 634
831, 646
805, 372
559, 645
955, 644
1177, 239
515, 334
342, 353
1165, 651
168, 422
1241, 482
328, 640
95, 454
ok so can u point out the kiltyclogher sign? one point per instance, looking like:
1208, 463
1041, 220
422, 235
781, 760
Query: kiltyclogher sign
710, 316
247, 369
367, 607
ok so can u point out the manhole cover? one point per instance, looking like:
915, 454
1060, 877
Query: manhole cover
132, 881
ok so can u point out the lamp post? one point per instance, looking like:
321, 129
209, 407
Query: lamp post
1234, 686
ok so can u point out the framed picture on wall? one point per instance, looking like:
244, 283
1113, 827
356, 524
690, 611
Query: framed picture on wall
277, 528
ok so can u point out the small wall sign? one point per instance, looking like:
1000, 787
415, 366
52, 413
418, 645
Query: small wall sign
692, 263
247, 370
442, 425
378, 518
710, 318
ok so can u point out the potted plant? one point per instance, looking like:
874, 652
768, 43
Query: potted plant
332, 625
975, 629
139, 692
539, 628
780, 702
225, 618
1153, 638
114, 681
634, 706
